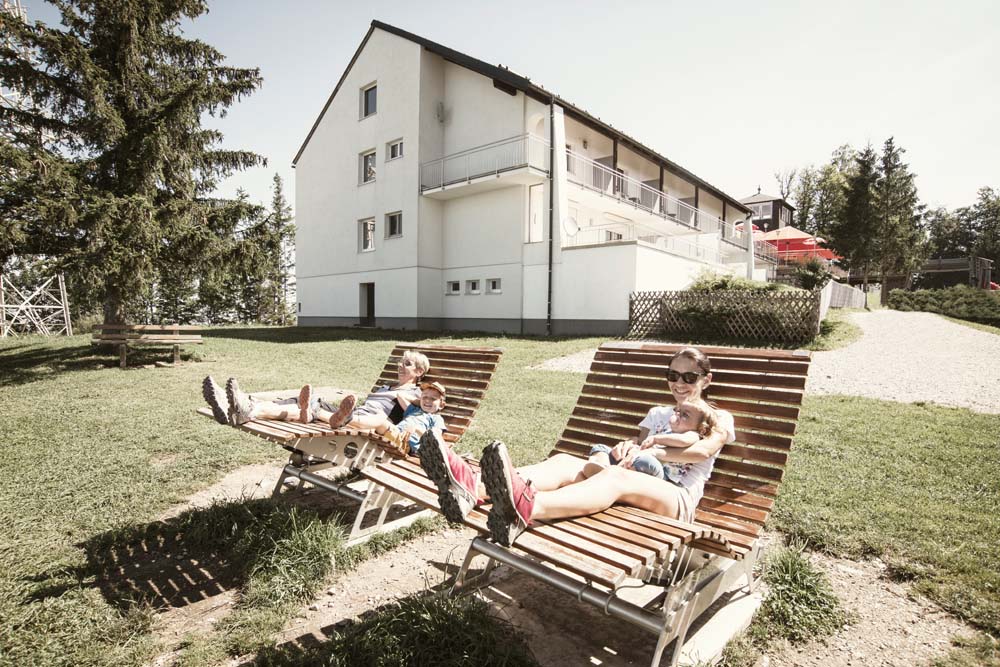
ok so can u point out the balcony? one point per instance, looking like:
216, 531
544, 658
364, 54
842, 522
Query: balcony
681, 218
518, 160
651, 234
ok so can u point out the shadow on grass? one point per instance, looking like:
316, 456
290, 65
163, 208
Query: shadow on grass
27, 363
326, 334
199, 554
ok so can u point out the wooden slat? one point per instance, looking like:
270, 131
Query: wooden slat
720, 492
758, 353
573, 541
626, 370
657, 392
753, 454
717, 362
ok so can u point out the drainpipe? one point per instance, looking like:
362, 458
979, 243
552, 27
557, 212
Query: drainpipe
748, 232
552, 206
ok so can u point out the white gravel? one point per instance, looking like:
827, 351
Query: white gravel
910, 357
906, 357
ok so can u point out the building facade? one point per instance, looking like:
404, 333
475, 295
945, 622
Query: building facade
436, 191
769, 212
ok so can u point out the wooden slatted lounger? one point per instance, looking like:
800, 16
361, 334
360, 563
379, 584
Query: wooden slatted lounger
692, 564
466, 373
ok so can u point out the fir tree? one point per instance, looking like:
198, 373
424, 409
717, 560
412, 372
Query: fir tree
853, 234
108, 169
899, 241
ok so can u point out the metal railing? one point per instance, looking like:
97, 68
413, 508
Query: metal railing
524, 150
598, 177
765, 251
631, 231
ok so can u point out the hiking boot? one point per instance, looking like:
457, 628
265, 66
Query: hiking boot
455, 479
240, 405
344, 411
216, 399
513, 498
304, 400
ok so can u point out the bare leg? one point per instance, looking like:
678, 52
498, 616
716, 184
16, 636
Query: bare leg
611, 485
270, 410
554, 472
368, 421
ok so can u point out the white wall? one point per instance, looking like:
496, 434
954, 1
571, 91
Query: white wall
594, 283
329, 200
476, 113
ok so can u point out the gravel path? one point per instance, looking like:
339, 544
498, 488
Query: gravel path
904, 357
911, 357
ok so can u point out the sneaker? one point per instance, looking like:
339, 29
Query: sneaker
513, 498
305, 397
344, 411
455, 479
240, 405
216, 399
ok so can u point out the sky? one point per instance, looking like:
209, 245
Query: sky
732, 91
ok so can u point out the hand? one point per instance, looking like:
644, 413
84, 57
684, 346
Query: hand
622, 450
648, 442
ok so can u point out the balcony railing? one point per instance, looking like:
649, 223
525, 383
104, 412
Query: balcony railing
525, 150
765, 251
612, 232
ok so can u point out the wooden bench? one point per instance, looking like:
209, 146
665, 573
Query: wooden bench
149, 335
465, 372
688, 565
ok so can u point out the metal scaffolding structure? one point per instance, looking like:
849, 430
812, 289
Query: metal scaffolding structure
8, 97
44, 311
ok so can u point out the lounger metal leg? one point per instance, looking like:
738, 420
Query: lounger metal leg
122, 353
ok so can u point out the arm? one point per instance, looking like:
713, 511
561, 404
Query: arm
621, 450
704, 449
671, 440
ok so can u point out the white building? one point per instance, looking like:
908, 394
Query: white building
425, 199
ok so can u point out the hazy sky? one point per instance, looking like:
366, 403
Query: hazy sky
732, 91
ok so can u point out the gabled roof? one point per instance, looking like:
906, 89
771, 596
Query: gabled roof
512, 80
761, 197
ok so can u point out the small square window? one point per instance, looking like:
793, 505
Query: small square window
394, 150
366, 235
612, 236
493, 286
394, 225
472, 287
369, 101
367, 167
453, 287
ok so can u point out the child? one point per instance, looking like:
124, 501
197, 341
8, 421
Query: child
417, 420
682, 426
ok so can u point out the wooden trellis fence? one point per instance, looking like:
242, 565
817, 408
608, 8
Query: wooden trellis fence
43, 311
791, 316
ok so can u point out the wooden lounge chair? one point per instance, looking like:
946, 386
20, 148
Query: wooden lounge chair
686, 566
465, 372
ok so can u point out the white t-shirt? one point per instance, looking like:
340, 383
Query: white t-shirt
692, 476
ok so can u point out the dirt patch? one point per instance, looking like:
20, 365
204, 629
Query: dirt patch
891, 627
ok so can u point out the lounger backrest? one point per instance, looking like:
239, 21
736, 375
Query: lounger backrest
465, 372
761, 388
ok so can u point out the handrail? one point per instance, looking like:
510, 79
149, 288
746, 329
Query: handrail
523, 150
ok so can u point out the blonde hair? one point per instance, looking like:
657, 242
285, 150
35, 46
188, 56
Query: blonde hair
709, 417
420, 362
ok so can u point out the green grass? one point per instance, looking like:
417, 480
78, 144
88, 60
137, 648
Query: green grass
836, 331
799, 606
979, 651
974, 325
914, 484
94, 455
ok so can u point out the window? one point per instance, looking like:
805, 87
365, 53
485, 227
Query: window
786, 217
366, 234
761, 210
369, 100
394, 150
612, 236
533, 226
569, 159
453, 287
493, 286
472, 287
367, 167
393, 224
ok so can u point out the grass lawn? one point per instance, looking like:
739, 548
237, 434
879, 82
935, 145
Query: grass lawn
93, 455
974, 325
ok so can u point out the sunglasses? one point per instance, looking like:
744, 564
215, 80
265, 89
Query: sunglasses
689, 378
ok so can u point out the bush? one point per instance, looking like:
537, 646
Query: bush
811, 274
961, 301
709, 281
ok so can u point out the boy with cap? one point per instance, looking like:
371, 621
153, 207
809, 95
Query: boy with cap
419, 418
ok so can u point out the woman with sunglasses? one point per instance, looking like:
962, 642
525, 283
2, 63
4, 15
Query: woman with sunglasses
559, 487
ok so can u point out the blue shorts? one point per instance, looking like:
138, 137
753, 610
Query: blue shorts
645, 463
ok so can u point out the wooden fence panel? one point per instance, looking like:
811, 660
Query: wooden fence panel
790, 317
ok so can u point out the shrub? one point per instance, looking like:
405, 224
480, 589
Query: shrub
709, 281
961, 301
811, 274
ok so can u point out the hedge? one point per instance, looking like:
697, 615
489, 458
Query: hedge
962, 302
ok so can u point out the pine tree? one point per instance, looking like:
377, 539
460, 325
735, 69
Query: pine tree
899, 241
805, 194
831, 187
108, 169
282, 228
853, 235
984, 218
